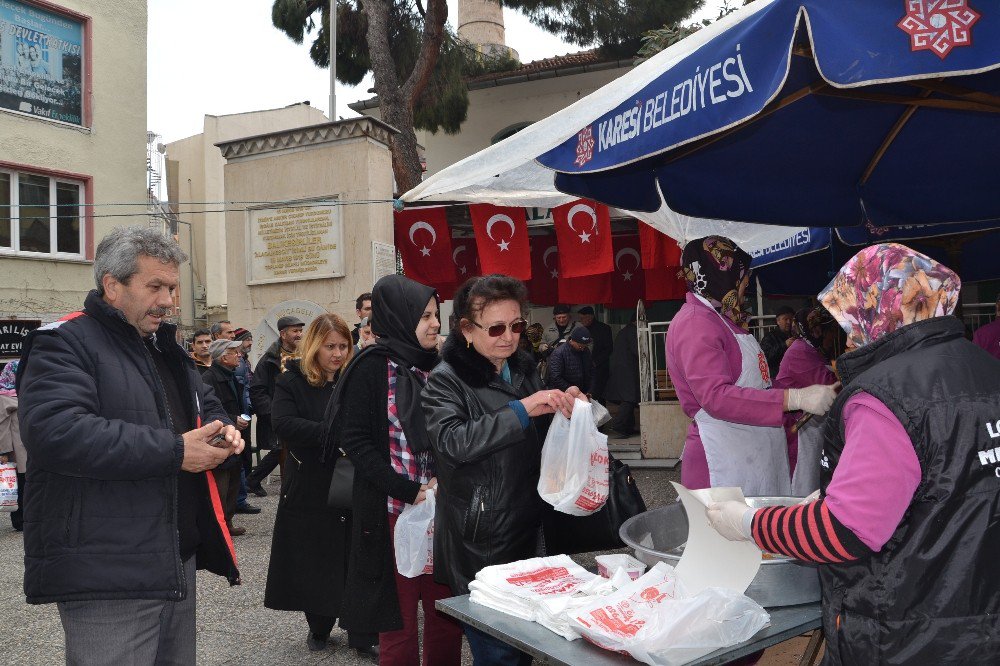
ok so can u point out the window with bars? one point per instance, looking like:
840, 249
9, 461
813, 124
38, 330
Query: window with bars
41, 215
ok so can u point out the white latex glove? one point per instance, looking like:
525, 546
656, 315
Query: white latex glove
731, 519
812, 497
815, 399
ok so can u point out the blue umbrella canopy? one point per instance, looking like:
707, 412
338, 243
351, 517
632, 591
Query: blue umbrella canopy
816, 113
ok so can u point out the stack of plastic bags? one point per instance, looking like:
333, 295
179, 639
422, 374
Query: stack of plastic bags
542, 590
652, 618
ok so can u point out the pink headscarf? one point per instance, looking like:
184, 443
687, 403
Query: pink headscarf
884, 287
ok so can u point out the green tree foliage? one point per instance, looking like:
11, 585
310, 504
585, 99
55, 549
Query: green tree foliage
658, 39
616, 26
421, 69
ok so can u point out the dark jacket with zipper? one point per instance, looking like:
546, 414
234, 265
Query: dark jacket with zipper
309, 548
931, 595
101, 507
488, 508
229, 391
371, 603
261, 391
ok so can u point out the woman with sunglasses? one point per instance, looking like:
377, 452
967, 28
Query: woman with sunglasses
487, 416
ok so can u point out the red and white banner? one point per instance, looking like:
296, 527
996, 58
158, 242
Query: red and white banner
583, 229
502, 240
661, 261
543, 289
466, 259
424, 241
628, 281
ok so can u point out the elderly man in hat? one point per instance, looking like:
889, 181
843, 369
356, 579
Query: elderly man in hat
572, 364
270, 365
560, 329
222, 378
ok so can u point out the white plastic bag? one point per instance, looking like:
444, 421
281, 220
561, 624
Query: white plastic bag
601, 413
656, 622
8, 487
574, 474
413, 539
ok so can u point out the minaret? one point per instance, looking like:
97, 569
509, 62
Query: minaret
480, 22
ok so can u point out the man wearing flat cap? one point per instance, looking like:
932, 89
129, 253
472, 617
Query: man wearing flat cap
220, 376
571, 364
560, 329
270, 365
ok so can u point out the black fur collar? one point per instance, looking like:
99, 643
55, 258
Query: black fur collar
475, 369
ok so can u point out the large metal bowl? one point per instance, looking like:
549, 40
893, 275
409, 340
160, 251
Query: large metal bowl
659, 536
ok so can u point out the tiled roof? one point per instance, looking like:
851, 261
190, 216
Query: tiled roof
583, 58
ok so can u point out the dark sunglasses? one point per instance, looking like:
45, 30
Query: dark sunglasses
496, 330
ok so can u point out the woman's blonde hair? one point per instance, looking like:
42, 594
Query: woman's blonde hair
320, 327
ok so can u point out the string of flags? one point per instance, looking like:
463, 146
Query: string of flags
583, 262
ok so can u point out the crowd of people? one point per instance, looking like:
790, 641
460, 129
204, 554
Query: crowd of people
140, 450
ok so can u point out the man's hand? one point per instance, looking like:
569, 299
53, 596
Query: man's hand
575, 393
199, 452
241, 423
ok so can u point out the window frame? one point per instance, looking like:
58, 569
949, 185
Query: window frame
15, 216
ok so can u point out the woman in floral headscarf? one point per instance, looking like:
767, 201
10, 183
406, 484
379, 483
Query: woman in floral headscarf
906, 528
722, 379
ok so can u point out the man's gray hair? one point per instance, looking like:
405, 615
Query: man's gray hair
118, 253
217, 327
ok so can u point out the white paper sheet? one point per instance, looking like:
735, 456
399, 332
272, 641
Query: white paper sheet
710, 559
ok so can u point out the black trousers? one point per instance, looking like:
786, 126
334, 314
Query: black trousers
267, 465
624, 421
17, 517
322, 625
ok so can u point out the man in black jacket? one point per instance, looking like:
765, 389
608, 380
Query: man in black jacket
776, 342
262, 390
571, 364
221, 378
601, 349
121, 433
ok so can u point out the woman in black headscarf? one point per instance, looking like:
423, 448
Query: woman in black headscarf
378, 421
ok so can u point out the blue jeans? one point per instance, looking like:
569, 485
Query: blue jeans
490, 651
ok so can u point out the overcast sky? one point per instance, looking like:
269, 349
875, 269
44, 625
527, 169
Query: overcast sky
224, 56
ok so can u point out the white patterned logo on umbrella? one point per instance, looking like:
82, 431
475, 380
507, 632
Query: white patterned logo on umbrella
584, 146
938, 25
589, 211
504, 244
417, 226
627, 275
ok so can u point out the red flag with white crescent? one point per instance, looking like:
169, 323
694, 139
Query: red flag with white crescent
502, 240
466, 259
543, 289
658, 249
583, 229
628, 280
424, 241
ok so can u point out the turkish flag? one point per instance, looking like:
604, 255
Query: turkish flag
543, 289
502, 240
661, 261
628, 281
466, 260
658, 249
590, 289
424, 241
583, 229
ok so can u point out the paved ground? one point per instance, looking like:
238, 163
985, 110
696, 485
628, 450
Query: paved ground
233, 625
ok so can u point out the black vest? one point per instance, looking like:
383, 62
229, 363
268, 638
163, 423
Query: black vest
932, 594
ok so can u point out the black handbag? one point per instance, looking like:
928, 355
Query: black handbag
341, 493
567, 535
